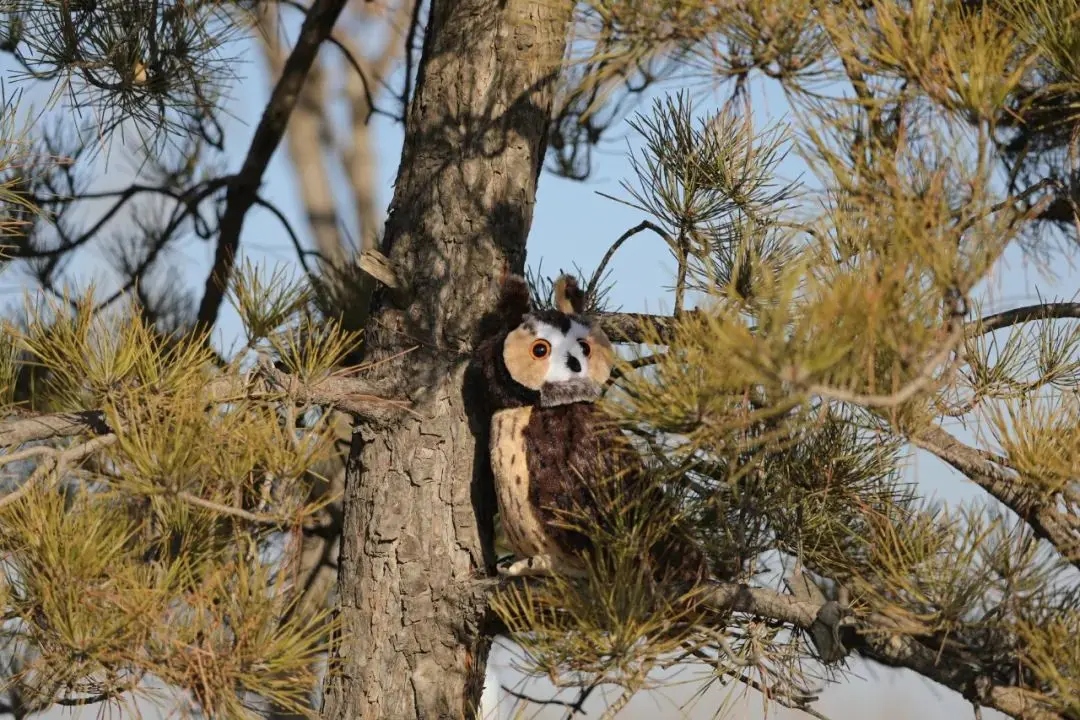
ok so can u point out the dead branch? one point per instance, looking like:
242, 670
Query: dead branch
378, 266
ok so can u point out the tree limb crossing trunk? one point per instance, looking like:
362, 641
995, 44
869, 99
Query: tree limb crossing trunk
410, 645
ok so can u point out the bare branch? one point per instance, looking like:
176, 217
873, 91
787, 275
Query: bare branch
305, 128
56, 425
642, 226
631, 327
1030, 313
241, 195
56, 460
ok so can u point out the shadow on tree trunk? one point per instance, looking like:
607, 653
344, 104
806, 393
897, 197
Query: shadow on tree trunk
417, 498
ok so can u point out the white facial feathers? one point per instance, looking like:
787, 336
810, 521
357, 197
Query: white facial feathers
569, 351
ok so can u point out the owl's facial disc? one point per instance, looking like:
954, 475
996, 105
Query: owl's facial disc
564, 360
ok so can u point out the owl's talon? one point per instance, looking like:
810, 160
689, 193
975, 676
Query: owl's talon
540, 566
526, 567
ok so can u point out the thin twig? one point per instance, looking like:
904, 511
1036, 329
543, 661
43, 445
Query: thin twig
410, 37
222, 509
642, 226
573, 706
301, 254
56, 460
923, 380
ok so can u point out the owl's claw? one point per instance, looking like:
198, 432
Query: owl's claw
537, 566
525, 567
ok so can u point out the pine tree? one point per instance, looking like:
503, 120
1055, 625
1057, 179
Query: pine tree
172, 508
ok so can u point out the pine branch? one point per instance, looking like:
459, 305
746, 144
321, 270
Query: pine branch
630, 327
836, 632
347, 394
875, 637
1007, 487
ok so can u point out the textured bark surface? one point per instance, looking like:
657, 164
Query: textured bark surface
410, 645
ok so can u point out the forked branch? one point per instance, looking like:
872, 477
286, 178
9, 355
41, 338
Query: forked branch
243, 192
876, 637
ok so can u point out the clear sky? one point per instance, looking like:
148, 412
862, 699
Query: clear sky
573, 224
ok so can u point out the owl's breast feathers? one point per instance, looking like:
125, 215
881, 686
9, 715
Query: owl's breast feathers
566, 466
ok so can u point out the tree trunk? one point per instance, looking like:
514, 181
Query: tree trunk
418, 503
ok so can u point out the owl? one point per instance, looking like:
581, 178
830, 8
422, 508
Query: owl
556, 457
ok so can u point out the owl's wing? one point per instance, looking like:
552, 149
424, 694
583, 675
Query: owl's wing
586, 473
565, 457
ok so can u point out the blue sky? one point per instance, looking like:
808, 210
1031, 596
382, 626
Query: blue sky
573, 224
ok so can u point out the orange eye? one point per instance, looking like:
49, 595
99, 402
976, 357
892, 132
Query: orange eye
585, 348
540, 349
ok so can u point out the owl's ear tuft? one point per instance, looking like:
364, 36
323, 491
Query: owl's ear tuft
569, 297
514, 302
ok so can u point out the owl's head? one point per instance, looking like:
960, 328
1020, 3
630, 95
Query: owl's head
547, 357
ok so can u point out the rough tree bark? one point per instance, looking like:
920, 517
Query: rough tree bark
417, 509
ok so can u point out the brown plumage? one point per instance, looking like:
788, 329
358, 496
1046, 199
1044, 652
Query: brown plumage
556, 458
